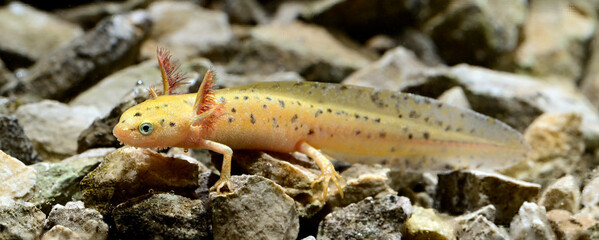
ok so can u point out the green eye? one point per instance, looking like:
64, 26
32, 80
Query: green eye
145, 128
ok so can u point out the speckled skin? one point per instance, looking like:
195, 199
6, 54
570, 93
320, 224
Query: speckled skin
352, 124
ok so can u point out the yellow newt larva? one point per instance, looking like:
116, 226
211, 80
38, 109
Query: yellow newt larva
349, 123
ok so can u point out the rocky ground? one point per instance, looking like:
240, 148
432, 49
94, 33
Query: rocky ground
68, 69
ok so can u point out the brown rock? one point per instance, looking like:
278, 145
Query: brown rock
563, 194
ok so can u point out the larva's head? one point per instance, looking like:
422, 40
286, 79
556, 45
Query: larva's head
160, 122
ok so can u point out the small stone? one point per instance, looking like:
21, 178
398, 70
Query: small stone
17, 179
426, 224
479, 225
468, 190
129, 172
566, 226
20, 220
562, 194
256, 209
113, 44
84, 222
88, 15
53, 127
29, 34
59, 232
531, 223
163, 216
590, 192
362, 181
455, 96
14, 142
245, 11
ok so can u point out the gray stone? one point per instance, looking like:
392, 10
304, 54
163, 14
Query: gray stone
257, 208
368, 219
113, 44
163, 216
85, 223
479, 225
590, 192
562, 194
589, 85
361, 181
88, 15
17, 179
53, 127
14, 142
20, 220
455, 96
531, 223
245, 11
29, 34
468, 190
58, 183
130, 172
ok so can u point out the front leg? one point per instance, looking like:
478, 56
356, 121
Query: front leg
225, 172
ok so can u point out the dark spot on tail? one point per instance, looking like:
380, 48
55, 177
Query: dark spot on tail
252, 119
172, 124
137, 114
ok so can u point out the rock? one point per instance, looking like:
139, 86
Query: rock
130, 172
361, 181
417, 186
29, 34
85, 223
380, 43
58, 183
187, 29
566, 226
455, 96
20, 220
14, 142
245, 11
113, 44
53, 127
256, 204
479, 225
488, 212
562, 194
531, 223
59, 232
589, 85
421, 44
386, 217
88, 15
468, 190
307, 49
425, 223
557, 146
554, 41
590, 192
17, 179
594, 231
163, 216
476, 32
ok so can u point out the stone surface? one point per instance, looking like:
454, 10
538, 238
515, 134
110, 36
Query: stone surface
562, 194
479, 225
590, 192
29, 34
88, 15
14, 142
425, 223
163, 216
245, 11
17, 179
455, 96
589, 84
53, 127
59, 232
307, 49
129, 172
256, 209
477, 32
20, 220
361, 181
113, 44
58, 183
531, 223
468, 190
187, 29
567, 226
386, 218
85, 223
557, 146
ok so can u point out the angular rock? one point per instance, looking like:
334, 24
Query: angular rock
590, 192
163, 216
531, 223
455, 96
468, 190
29, 34
477, 32
245, 12
589, 85
307, 49
53, 127
14, 142
557, 146
17, 179
481, 228
59, 232
187, 29
361, 181
58, 183
20, 220
567, 226
85, 223
256, 204
386, 217
113, 44
562, 194
88, 15
130, 172
425, 223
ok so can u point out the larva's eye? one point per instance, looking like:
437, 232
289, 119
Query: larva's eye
145, 128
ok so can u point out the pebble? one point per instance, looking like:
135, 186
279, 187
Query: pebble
84, 223
256, 209
20, 220
425, 223
567, 226
362, 181
14, 142
455, 96
18, 180
562, 194
531, 223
